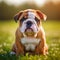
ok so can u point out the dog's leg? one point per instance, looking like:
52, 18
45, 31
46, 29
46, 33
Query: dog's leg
42, 47
17, 48
20, 48
13, 50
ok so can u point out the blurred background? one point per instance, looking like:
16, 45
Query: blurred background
8, 8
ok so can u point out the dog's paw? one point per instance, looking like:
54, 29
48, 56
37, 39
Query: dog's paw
12, 53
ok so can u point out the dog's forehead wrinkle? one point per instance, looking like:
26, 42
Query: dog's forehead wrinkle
31, 15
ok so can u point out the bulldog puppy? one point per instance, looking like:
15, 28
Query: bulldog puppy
30, 35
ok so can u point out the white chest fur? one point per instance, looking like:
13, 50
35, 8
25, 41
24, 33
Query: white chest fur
30, 43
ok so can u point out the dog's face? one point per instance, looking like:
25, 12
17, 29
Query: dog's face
29, 21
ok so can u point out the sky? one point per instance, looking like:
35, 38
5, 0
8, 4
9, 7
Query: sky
18, 2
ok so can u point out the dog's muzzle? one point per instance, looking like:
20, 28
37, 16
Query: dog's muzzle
29, 27
29, 30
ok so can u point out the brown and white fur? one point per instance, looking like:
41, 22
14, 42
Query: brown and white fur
30, 35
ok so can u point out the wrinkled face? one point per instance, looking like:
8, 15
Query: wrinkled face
29, 21
30, 24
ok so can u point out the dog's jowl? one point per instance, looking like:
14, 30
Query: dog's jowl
30, 35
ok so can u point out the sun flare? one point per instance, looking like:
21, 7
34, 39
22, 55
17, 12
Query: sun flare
18, 2
40, 2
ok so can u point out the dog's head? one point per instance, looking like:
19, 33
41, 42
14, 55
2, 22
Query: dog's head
29, 21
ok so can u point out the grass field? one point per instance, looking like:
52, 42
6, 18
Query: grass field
7, 38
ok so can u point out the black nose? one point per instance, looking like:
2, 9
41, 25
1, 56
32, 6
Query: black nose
29, 23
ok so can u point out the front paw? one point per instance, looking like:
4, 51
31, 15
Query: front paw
37, 51
40, 51
20, 53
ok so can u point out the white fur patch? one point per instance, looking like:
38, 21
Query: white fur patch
31, 15
23, 27
30, 43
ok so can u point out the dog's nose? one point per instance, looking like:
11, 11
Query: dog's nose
29, 23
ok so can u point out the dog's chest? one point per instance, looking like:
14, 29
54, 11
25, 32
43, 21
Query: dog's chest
30, 43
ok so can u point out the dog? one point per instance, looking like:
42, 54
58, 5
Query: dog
30, 35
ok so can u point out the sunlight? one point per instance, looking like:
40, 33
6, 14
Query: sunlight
40, 2
15, 2
18, 2
0, 0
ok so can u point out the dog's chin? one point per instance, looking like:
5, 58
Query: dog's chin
29, 32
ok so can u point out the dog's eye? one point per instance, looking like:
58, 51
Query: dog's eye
22, 19
37, 20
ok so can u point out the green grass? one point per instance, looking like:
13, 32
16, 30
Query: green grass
7, 38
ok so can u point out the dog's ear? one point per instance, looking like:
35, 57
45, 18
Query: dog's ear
17, 16
41, 15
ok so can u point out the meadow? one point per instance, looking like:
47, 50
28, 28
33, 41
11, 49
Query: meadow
7, 38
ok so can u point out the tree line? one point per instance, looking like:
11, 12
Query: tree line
52, 10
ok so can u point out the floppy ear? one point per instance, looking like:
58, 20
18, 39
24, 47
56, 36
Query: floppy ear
17, 16
41, 15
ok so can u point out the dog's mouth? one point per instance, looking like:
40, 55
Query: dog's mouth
29, 32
